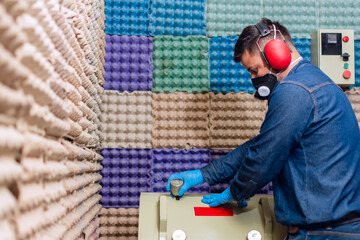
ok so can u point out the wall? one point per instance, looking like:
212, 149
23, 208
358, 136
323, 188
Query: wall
51, 67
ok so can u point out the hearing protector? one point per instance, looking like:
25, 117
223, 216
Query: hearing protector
277, 53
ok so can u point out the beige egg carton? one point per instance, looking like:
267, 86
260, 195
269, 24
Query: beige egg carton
180, 120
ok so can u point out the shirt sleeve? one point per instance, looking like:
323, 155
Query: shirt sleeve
255, 163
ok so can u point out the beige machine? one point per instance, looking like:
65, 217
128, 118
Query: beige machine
162, 217
333, 52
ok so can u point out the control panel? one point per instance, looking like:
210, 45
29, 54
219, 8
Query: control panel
333, 52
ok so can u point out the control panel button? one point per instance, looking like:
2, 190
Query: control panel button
346, 39
346, 65
347, 74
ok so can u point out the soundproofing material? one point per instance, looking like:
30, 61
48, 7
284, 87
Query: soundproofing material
225, 74
354, 98
180, 120
128, 65
230, 17
181, 64
118, 223
235, 118
52, 57
127, 17
126, 119
177, 18
357, 64
125, 176
168, 161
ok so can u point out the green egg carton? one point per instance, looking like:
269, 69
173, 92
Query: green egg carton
181, 64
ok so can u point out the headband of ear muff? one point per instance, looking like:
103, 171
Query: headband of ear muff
276, 52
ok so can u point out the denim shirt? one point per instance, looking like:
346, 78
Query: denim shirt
308, 145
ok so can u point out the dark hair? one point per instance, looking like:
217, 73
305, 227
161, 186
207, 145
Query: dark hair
250, 34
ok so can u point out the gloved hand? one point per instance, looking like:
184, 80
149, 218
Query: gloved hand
191, 179
216, 199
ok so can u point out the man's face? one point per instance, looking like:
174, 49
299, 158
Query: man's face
254, 63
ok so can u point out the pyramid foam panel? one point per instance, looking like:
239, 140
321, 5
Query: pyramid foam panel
169, 161
180, 120
125, 176
225, 74
126, 119
228, 18
357, 64
128, 64
235, 118
181, 64
177, 18
127, 17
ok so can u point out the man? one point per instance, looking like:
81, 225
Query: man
308, 145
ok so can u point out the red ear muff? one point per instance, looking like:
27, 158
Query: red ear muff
278, 54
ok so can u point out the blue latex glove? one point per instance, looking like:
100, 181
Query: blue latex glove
217, 199
190, 178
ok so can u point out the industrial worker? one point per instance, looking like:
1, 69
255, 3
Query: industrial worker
308, 145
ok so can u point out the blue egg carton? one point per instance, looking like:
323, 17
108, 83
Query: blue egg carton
177, 17
168, 161
225, 74
126, 173
303, 46
357, 63
127, 17
128, 63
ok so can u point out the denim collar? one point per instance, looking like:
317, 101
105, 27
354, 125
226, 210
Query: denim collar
297, 66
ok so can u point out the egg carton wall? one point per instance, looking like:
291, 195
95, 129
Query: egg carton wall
128, 63
126, 119
52, 57
127, 17
118, 224
228, 18
126, 174
181, 64
177, 18
180, 120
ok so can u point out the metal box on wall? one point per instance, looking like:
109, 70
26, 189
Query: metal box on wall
332, 50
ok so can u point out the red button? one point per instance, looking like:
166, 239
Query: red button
347, 74
346, 39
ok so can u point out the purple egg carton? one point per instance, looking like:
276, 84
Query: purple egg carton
216, 154
128, 63
126, 173
168, 161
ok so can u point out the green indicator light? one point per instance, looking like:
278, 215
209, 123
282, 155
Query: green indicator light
346, 65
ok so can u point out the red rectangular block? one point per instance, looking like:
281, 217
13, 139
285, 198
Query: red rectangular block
209, 211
